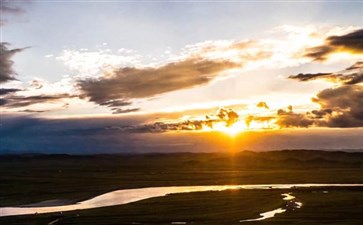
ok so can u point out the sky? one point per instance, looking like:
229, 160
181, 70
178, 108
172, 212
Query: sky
89, 77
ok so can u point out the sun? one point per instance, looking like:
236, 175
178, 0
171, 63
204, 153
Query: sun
240, 127
232, 130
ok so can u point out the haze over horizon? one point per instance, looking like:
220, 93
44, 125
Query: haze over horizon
170, 76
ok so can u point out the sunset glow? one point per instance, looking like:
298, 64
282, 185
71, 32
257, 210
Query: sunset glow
181, 112
142, 71
232, 130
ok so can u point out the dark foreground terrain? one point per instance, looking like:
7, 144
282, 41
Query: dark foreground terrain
335, 207
26, 179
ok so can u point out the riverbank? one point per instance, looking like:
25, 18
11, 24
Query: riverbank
338, 206
28, 179
121, 197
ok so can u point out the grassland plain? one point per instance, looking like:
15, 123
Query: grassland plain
337, 206
27, 179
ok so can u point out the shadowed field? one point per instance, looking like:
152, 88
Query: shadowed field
33, 178
341, 206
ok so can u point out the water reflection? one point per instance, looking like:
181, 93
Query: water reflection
266, 215
121, 197
292, 204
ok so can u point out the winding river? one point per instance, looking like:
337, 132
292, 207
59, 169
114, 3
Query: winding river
125, 196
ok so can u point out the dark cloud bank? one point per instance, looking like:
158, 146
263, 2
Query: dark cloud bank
126, 84
9, 97
226, 116
6, 70
5, 91
352, 42
99, 135
13, 101
351, 75
340, 106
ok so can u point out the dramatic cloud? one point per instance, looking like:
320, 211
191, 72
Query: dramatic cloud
340, 106
351, 42
21, 134
357, 65
6, 71
106, 77
120, 111
39, 95
226, 117
351, 75
5, 91
118, 80
287, 118
121, 82
262, 105
126, 84
345, 104
15, 101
